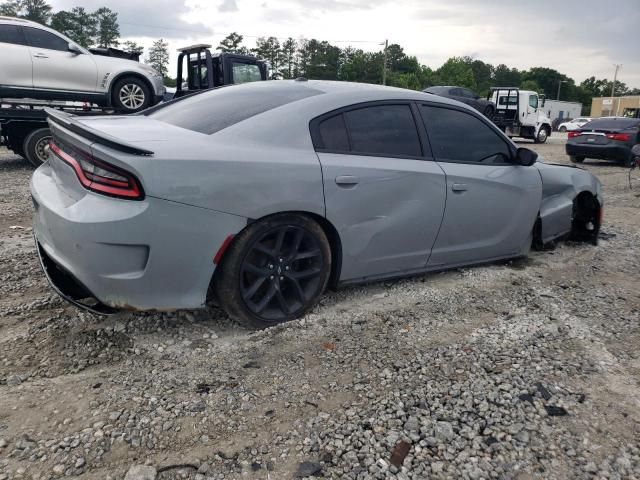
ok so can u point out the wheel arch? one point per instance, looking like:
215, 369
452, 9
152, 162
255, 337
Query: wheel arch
128, 73
335, 245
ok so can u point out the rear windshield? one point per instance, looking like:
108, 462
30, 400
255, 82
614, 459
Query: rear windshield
212, 111
611, 123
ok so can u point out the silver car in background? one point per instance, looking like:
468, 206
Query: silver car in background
261, 195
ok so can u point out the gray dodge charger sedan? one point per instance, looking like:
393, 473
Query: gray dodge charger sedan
259, 196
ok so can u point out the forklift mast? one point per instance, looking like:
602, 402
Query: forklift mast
205, 70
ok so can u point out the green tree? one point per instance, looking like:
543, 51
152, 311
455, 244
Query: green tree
159, 56
36, 11
504, 76
11, 8
530, 85
289, 48
77, 24
133, 47
269, 49
456, 71
232, 44
108, 30
318, 60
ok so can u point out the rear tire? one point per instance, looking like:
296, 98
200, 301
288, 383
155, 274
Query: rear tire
563, 129
130, 95
35, 146
576, 158
488, 111
274, 271
629, 162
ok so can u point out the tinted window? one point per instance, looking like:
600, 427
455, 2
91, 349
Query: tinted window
468, 93
383, 130
42, 39
333, 134
214, 110
11, 34
243, 73
461, 137
611, 123
456, 92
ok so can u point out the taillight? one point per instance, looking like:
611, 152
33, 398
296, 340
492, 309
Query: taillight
575, 133
99, 176
623, 137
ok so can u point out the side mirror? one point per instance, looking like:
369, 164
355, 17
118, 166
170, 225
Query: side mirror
525, 157
73, 48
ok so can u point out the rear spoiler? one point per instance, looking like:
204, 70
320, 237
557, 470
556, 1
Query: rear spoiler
71, 123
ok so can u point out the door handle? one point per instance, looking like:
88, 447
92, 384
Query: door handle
459, 187
347, 180
41, 55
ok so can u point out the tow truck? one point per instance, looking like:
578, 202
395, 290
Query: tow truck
520, 113
23, 122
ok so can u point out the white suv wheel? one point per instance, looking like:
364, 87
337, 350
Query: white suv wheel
131, 96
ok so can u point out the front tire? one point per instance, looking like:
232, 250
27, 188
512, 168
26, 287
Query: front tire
563, 129
576, 158
130, 95
35, 146
542, 135
274, 271
488, 111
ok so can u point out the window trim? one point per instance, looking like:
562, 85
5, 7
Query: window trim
510, 146
28, 40
21, 34
318, 145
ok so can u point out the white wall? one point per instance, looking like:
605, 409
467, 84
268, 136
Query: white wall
569, 109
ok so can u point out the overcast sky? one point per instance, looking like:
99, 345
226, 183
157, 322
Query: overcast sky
580, 38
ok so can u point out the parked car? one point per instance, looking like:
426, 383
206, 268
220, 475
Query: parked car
265, 193
465, 95
606, 138
573, 124
38, 62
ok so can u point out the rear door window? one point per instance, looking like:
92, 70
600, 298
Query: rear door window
461, 137
42, 39
333, 134
383, 130
11, 34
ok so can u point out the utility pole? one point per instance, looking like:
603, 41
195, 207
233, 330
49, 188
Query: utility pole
384, 63
559, 85
613, 85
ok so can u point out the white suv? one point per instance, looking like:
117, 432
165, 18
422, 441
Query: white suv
38, 62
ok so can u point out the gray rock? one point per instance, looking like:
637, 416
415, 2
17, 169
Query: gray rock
14, 380
443, 431
141, 472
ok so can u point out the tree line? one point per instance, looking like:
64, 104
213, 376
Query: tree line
319, 59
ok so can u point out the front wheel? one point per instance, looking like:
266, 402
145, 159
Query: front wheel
130, 95
563, 129
274, 271
488, 111
542, 135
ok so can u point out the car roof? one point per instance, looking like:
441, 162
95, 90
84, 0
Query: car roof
18, 21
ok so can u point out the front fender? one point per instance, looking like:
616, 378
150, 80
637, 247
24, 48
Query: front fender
560, 186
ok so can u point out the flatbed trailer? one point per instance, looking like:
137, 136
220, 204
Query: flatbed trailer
24, 128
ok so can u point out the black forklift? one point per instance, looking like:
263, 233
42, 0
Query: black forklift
23, 122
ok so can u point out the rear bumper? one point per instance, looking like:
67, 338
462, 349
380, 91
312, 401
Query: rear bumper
606, 152
126, 255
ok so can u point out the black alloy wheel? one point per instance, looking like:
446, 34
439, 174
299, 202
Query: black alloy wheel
275, 271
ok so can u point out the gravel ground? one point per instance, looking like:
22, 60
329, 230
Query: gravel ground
520, 370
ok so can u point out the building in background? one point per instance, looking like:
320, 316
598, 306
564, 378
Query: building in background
559, 111
628, 106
